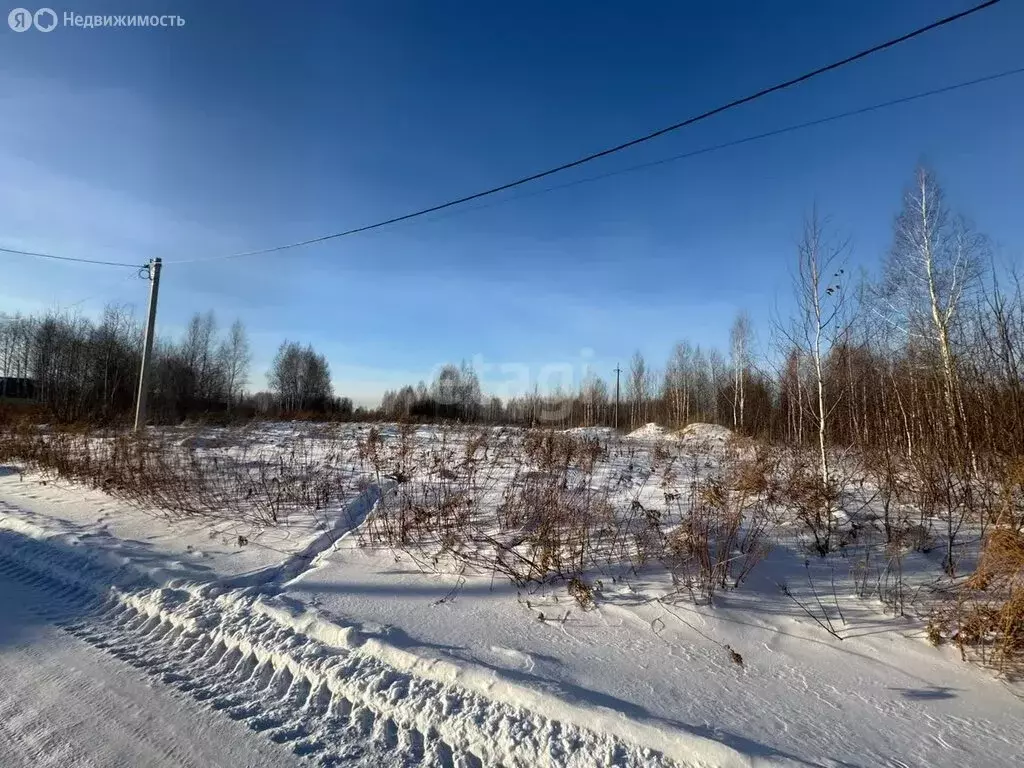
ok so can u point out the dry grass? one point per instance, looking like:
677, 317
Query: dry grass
525, 505
535, 506
986, 619
532, 506
177, 476
727, 520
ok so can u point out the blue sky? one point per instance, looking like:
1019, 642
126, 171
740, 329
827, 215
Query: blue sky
258, 124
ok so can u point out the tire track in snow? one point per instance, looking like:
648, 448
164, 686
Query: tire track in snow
330, 706
63, 703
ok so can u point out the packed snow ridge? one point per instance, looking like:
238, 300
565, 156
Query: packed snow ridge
697, 434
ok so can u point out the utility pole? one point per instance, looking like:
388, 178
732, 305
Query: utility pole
618, 370
147, 348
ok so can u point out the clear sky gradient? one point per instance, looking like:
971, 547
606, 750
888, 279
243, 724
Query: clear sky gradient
258, 124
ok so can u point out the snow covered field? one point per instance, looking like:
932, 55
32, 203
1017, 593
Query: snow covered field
370, 630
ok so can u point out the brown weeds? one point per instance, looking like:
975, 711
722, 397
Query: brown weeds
253, 484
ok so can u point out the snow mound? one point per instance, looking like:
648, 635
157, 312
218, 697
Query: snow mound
697, 435
589, 431
651, 431
194, 442
701, 434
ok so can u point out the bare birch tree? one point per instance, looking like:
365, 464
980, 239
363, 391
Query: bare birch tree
740, 343
638, 388
935, 261
820, 321
233, 358
933, 267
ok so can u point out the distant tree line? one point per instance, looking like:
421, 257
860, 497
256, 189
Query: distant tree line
81, 370
453, 395
925, 356
300, 383
697, 385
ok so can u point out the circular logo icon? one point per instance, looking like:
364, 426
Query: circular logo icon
20, 19
45, 19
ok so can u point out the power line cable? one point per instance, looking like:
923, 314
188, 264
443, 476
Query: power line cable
67, 258
625, 145
719, 147
737, 142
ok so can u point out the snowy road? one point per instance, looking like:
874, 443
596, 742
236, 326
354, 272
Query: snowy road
65, 702
193, 675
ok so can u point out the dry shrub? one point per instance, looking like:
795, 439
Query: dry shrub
800, 487
1009, 510
550, 450
914, 536
933, 631
728, 528
434, 512
986, 621
254, 485
660, 453
582, 593
1002, 561
753, 474
18, 413
532, 506
889, 472
552, 520
944, 485
526, 505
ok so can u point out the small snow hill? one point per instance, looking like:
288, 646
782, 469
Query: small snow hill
697, 435
705, 434
601, 432
651, 431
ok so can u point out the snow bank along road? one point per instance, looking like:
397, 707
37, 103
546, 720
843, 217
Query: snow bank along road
101, 667
64, 702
